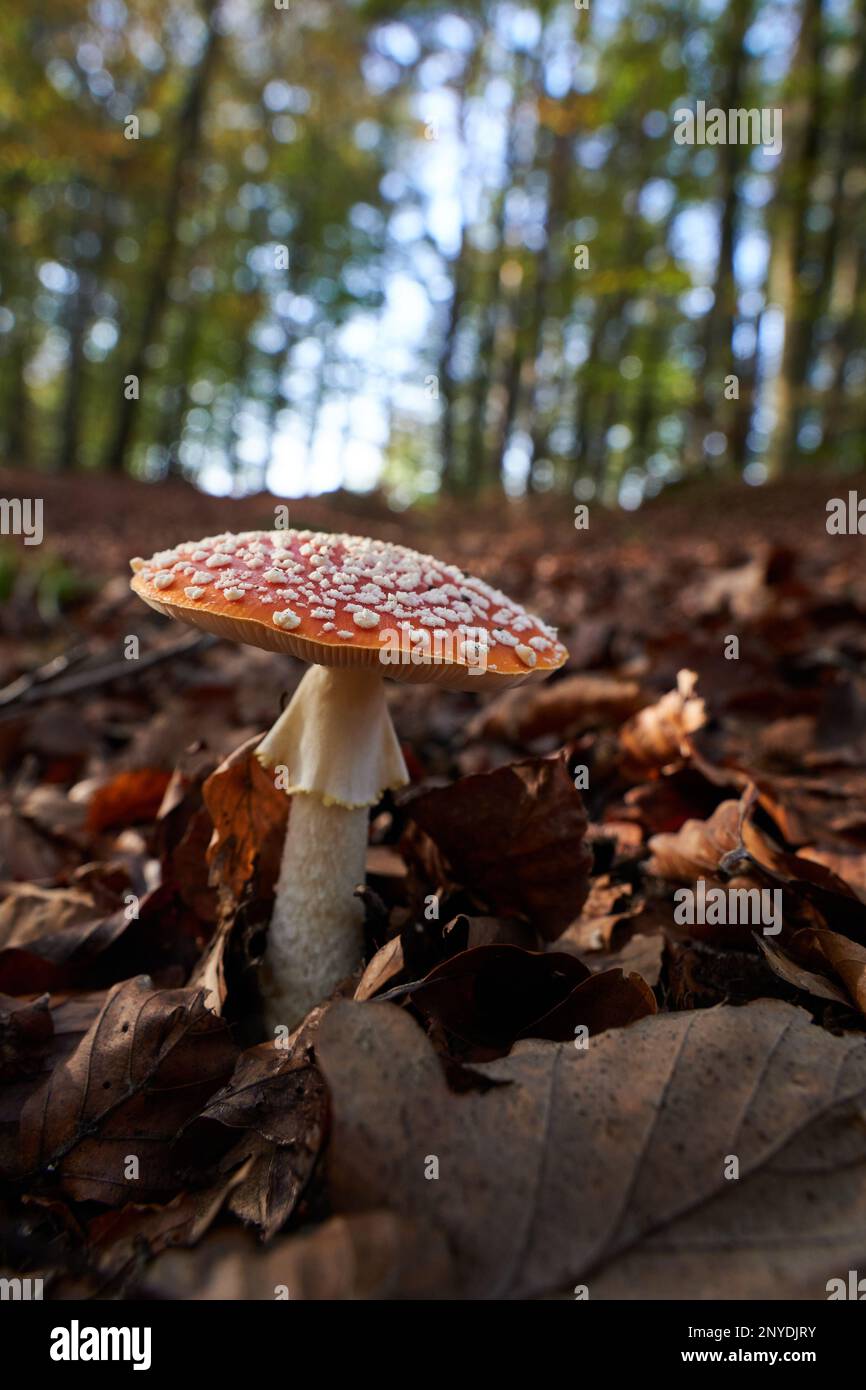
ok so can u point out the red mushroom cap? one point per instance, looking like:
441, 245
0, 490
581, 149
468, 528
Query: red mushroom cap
349, 601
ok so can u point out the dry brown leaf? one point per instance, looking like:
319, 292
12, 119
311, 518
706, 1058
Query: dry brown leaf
564, 707
127, 799
250, 818
384, 969
29, 912
605, 919
26, 1036
743, 592
25, 853
641, 955
49, 939
615, 1154
513, 838
52, 810
145, 1067
780, 961
275, 1099
696, 849
489, 996
731, 848
118, 1240
841, 958
659, 734
849, 867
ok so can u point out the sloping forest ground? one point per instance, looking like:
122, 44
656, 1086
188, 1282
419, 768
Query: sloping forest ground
565, 1088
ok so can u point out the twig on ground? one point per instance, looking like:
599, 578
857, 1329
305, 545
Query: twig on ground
45, 682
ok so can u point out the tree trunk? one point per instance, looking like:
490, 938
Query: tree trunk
187, 140
795, 301
557, 201
711, 409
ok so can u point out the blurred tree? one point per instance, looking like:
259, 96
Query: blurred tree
186, 139
796, 283
322, 214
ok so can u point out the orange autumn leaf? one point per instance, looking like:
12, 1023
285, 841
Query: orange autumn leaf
130, 798
249, 817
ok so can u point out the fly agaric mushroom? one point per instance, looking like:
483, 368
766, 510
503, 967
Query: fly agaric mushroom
358, 610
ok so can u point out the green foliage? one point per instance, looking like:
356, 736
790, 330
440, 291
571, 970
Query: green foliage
52, 582
429, 169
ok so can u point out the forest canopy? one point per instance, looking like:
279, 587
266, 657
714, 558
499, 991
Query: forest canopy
432, 247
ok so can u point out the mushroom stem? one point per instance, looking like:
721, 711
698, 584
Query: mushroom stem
335, 751
315, 937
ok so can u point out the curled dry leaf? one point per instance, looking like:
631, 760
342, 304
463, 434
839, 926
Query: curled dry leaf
391, 963
851, 867
834, 955
659, 734
276, 1101
781, 962
730, 847
697, 851
758, 847
608, 999
250, 817
618, 1156
606, 918
384, 969
531, 859
119, 1240
697, 848
187, 866
185, 829
813, 894
830, 808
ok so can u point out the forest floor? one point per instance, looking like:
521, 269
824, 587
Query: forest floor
572, 1084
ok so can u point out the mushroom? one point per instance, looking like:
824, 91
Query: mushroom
357, 610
